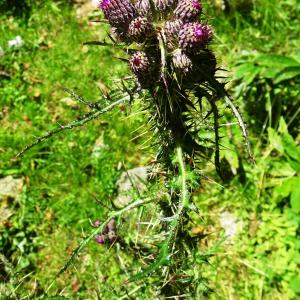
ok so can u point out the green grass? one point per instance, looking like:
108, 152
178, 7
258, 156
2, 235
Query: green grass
63, 175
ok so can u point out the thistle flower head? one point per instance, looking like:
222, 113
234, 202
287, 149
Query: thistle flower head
118, 12
139, 62
182, 61
163, 4
142, 65
172, 28
104, 5
188, 10
140, 28
195, 35
196, 5
143, 7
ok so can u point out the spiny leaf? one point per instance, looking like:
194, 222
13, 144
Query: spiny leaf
80, 121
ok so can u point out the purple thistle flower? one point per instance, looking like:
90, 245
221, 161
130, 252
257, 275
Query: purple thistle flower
188, 10
100, 239
104, 4
197, 5
194, 35
119, 13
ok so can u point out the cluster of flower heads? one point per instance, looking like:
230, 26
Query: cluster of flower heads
109, 233
145, 21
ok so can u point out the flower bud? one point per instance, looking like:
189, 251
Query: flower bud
97, 223
171, 31
141, 65
100, 239
140, 29
163, 4
119, 13
143, 7
188, 10
181, 61
139, 62
172, 28
193, 36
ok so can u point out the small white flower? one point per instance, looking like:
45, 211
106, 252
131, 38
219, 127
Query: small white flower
229, 224
16, 42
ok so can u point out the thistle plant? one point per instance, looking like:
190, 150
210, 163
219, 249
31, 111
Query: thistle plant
174, 72
167, 46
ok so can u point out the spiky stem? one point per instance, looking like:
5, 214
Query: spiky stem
217, 135
167, 248
184, 193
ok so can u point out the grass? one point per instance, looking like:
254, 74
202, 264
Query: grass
64, 175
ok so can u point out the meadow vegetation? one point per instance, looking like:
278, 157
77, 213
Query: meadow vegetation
246, 224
